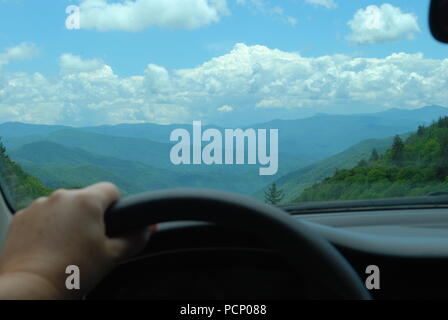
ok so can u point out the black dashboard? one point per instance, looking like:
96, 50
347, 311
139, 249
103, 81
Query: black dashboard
202, 261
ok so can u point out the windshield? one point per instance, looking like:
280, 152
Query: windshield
291, 101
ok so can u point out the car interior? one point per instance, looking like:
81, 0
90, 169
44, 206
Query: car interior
213, 245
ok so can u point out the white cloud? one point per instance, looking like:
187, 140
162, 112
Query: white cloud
136, 15
157, 79
329, 4
226, 108
381, 24
70, 63
264, 7
23, 51
248, 79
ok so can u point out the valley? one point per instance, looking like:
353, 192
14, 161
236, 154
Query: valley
136, 157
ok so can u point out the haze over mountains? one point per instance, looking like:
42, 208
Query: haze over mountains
136, 156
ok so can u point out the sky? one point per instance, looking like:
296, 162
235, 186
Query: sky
227, 62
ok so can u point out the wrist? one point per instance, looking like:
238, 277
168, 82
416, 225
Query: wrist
31, 278
28, 286
34, 282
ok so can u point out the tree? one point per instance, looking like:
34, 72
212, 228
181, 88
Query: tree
442, 169
374, 156
20, 187
2, 148
416, 167
397, 151
421, 130
362, 163
273, 195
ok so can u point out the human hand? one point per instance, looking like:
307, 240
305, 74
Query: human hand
64, 229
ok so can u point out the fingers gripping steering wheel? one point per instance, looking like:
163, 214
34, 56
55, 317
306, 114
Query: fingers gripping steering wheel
310, 255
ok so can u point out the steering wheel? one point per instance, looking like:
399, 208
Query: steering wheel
308, 254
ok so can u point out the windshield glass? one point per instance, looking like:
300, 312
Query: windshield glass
291, 101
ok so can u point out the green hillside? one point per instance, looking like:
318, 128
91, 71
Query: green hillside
61, 166
415, 167
295, 182
58, 166
132, 149
77, 176
20, 187
312, 139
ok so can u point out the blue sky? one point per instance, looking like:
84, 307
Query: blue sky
143, 52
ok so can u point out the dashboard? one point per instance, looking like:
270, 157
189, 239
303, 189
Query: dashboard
191, 260
405, 232
410, 247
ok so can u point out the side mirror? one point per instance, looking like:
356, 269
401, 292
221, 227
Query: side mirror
438, 20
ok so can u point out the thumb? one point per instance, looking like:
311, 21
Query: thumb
128, 246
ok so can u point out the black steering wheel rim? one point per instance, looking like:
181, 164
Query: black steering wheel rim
302, 249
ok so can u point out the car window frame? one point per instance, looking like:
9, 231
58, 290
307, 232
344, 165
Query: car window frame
6, 195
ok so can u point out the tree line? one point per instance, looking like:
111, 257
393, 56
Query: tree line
415, 167
19, 187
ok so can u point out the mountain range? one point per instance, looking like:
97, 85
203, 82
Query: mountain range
136, 156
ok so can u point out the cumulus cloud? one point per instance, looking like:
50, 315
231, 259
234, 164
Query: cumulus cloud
157, 79
247, 79
329, 4
23, 51
381, 24
136, 15
70, 64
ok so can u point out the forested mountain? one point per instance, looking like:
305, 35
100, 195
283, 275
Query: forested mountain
19, 187
414, 167
141, 150
61, 166
293, 183
314, 138
132, 149
137, 156
73, 157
